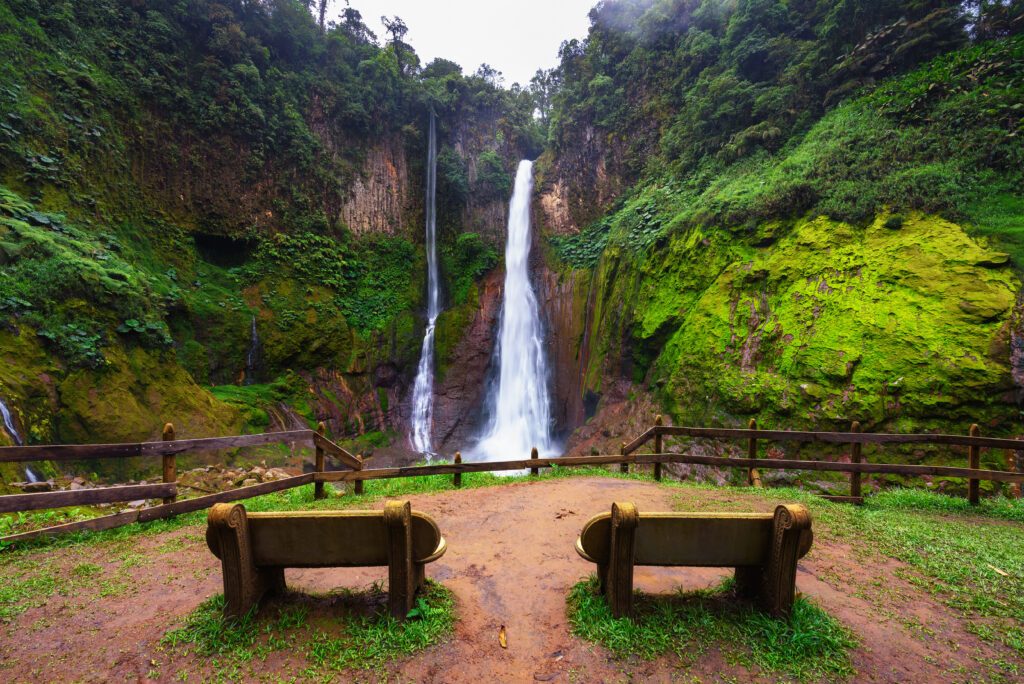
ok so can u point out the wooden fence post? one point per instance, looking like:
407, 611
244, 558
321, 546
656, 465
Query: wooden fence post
658, 445
973, 462
753, 475
623, 467
534, 456
457, 477
318, 487
170, 461
855, 457
1015, 464
358, 485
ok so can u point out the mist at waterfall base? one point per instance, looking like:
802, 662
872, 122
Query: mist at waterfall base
423, 389
518, 406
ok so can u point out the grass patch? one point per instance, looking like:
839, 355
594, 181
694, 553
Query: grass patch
362, 635
810, 645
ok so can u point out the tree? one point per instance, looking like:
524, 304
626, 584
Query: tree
404, 53
352, 24
490, 75
542, 87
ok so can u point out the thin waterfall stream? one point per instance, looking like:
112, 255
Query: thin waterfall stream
252, 358
8, 419
520, 414
423, 389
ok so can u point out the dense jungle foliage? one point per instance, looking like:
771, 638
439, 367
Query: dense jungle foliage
803, 205
127, 126
724, 99
174, 173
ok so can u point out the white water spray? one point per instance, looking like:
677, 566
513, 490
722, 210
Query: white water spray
520, 412
423, 389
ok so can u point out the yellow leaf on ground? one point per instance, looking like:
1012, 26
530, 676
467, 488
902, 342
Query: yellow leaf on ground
1001, 572
502, 639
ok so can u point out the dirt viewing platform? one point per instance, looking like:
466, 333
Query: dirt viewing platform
101, 607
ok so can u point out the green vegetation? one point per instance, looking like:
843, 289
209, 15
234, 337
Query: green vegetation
782, 208
174, 172
811, 645
358, 636
465, 260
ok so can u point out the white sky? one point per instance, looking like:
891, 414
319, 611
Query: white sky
516, 37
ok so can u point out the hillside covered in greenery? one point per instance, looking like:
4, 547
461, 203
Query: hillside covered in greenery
807, 213
179, 179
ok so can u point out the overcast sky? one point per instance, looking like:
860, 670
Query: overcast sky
516, 37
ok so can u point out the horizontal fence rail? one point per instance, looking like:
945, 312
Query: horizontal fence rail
85, 497
355, 473
74, 452
167, 450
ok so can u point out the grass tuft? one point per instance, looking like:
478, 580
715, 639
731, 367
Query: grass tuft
354, 632
810, 645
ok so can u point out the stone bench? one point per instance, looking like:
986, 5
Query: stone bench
255, 548
763, 548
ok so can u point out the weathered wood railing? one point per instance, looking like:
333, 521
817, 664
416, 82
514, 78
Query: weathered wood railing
357, 474
752, 463
168, 450
857, 465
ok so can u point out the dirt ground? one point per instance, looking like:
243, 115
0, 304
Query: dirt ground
511, 562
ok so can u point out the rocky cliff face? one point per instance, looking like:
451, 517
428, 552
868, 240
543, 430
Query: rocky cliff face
580, 183
460, 388
379, 197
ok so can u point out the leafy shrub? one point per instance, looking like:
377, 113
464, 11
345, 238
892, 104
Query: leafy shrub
493, 181
465, 260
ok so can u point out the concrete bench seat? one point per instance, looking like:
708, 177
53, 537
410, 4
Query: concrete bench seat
255, 548
762, 547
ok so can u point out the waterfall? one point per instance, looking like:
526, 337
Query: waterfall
5, 413
252, 359
9, 424
519, 403
423, 389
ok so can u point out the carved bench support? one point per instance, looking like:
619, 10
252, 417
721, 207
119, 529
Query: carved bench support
619, 584
402, 583
791, 539
244, 583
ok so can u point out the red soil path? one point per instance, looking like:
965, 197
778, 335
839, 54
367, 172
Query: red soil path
510, 562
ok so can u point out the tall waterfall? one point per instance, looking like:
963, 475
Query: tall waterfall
519, 403
5, 413
423, 390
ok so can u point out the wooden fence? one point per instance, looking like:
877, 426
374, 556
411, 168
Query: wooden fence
354, 471
168, 450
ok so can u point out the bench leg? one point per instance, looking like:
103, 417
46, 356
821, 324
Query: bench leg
791, 538
419, 575
401, 574
273, 580
619, 583
244, 583
749, 581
